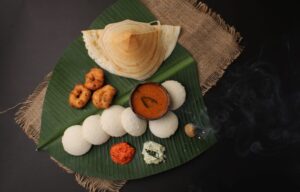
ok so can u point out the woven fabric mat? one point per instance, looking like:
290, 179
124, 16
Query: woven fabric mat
213, 44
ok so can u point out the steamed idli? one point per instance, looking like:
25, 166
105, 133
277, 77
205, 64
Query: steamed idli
176, 92
73, 141
132, 124
111, 121
165, 126
92, 130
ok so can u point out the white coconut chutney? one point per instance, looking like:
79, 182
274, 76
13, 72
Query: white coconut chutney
153, 153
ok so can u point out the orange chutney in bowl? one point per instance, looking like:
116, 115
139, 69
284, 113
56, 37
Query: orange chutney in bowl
150, 101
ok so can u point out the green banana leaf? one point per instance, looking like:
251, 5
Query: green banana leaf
58, 115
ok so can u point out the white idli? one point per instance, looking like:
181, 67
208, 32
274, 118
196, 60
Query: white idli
132, 124
176, 92
165, 126
111, 121
92, 130
73, 141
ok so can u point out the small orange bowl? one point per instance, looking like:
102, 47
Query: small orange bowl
150, 101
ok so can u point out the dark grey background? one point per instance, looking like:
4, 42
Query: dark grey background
249, 157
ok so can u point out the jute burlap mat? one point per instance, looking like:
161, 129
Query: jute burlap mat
208, 38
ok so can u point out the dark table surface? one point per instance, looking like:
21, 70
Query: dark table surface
255, 107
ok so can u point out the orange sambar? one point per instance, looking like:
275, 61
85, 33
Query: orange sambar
150, 101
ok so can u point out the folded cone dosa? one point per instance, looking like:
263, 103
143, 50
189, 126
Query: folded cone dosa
131, 49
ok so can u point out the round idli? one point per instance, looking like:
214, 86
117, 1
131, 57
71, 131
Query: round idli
111, 121
176, 92
132, 124
73, 141
165, 126
92, 130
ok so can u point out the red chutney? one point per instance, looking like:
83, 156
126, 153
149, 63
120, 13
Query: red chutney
122, 153
150, 101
